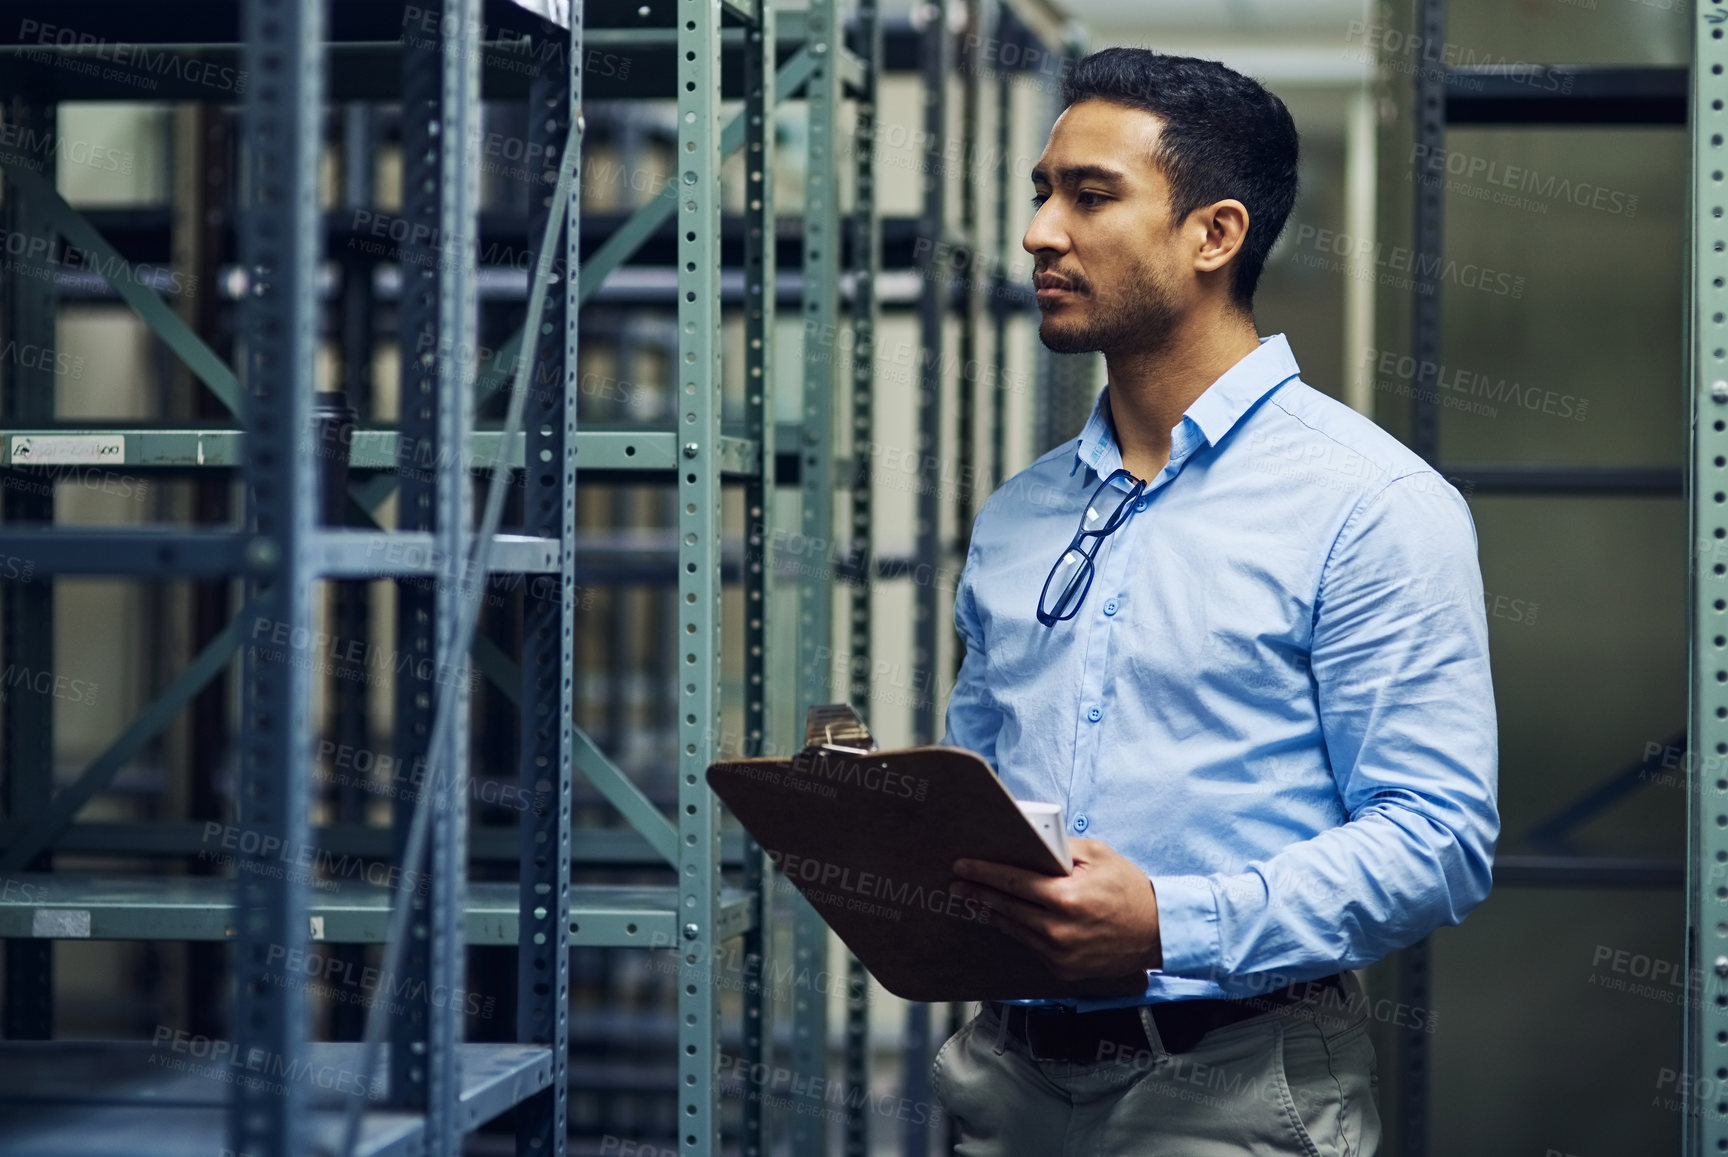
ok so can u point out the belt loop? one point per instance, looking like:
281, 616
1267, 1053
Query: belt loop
1153, 1038
1002, 1011
1001, 1024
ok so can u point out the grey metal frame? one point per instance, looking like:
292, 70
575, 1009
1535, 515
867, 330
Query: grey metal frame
284, 42
281, 555
1705, 1053
1647, 96
441, 79
27, 616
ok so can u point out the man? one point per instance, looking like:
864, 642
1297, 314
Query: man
1237, 631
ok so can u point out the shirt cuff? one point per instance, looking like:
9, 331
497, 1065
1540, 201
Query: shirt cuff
1188, 926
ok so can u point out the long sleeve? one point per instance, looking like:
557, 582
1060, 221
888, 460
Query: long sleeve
1400, 669
972, 721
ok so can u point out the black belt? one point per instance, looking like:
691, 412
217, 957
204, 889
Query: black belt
1058, 1033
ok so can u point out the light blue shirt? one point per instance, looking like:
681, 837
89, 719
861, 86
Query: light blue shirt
1275, 699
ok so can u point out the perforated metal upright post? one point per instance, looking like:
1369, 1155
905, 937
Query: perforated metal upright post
1414, 962
458, 331
279, 231
865, 247
416, 602
999, 305
967, 420
27, 617
1430, 180
1705, 1067
698, 633
759, 720
822, 249
549, 607
933, 309
438, 322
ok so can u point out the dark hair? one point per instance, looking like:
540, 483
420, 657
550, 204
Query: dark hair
1224, 136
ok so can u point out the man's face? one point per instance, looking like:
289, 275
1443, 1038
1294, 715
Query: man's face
1108, 265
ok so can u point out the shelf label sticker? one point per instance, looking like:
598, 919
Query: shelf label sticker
317, 927
68, 449
60, 923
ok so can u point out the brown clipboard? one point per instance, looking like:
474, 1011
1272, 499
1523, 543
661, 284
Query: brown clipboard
870, 838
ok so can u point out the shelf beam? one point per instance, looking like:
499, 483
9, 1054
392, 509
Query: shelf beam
347, 902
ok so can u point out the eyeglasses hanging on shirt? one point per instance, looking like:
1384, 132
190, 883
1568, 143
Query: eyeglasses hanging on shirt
1069, 580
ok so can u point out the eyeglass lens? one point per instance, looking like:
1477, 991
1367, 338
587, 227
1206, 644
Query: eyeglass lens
1103, 509
1065, 586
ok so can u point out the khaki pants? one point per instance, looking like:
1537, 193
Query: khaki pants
1300, 1080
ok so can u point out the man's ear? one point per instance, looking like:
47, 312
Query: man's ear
1224, 226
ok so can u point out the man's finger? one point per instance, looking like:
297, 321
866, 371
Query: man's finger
1020, 932
1003, 878
1012, 908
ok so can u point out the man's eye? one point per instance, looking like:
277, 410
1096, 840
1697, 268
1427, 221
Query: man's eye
1091, 200
1038, 200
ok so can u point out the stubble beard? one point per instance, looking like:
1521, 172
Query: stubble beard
1141, 315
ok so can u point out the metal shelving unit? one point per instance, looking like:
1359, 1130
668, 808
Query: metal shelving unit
438, 1088
678, 253
431, 1087
1543, 96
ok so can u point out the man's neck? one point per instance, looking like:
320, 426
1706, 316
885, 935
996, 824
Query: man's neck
1151, 389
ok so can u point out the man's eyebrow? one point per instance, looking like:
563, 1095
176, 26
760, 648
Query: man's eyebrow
1075, 174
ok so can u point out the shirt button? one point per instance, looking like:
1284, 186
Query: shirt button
1139, 505
1110, 607
1081, 823
1095, 714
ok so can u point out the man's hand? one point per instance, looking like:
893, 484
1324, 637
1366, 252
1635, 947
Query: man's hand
1099, 921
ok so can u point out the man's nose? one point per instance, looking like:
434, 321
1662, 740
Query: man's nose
1045, 232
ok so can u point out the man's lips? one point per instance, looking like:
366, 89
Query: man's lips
1051, 287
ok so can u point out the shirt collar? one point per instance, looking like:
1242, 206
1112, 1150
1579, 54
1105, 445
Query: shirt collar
1212, 414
